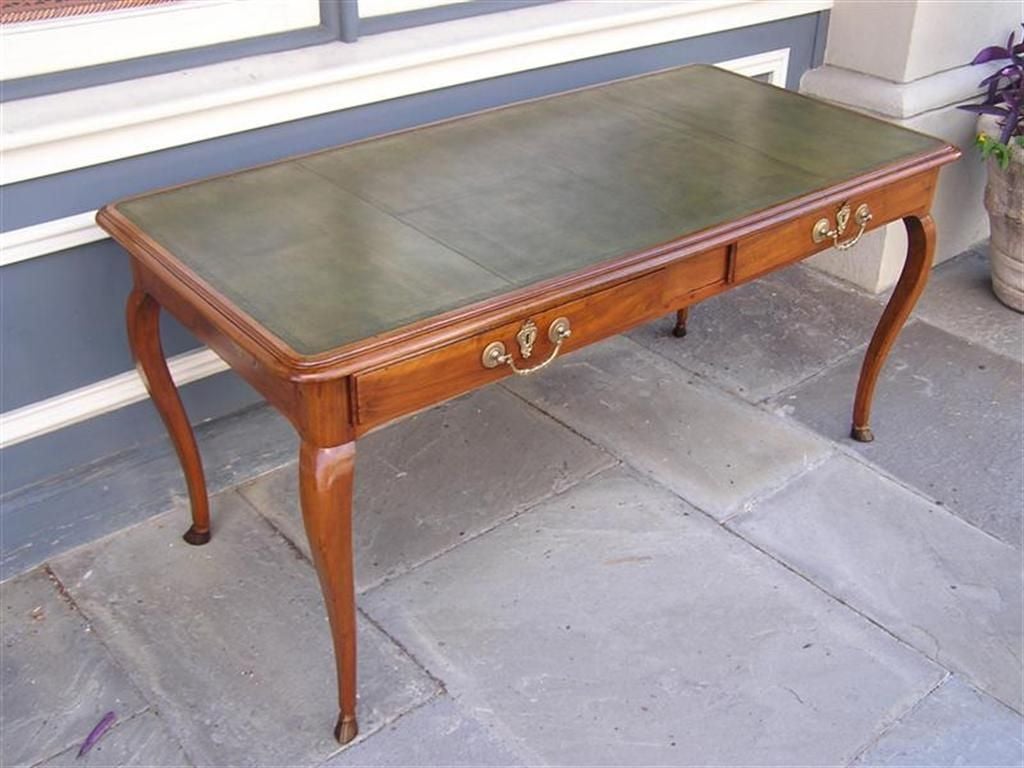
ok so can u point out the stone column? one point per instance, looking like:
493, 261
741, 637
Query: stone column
906, 61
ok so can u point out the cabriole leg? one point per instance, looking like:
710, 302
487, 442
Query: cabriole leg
143, 319
920, 251
325, 489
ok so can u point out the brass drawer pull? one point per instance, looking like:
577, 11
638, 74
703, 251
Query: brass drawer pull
495, 354
822, 231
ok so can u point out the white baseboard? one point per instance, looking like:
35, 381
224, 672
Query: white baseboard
99, 398
49, 237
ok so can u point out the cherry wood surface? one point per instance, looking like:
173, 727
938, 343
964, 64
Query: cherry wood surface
142, 316
355, 286
920, 252
325, 490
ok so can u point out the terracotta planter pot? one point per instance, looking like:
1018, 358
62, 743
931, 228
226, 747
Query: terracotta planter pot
1004, 201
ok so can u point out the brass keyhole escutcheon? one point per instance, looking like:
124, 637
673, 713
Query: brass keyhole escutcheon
822, 231
842, 218
495, 354
527, 337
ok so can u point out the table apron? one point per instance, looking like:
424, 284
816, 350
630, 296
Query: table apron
791, 241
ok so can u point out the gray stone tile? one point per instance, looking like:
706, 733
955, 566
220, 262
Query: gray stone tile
436, 734
56, 678
437, 478
769, 334
959, 300
709, 448
230, 640
614, 625
948, 419
142, 741
70, 510
955, 725
931, 579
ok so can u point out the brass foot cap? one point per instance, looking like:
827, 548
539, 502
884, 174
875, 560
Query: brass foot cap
346, 729
679, 331
862, 434
196, 538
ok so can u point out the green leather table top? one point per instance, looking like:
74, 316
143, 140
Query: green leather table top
332, 248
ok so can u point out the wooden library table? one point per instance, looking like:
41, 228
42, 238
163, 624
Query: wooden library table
360, 284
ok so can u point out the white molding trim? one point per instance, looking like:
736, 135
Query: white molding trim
60, 132
49, 237
71, 42
93, 400
775, 64
370, 8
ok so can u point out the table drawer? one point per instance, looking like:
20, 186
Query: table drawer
393, 390
693, 274
794, 240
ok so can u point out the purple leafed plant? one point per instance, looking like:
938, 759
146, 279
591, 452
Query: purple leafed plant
1004, 98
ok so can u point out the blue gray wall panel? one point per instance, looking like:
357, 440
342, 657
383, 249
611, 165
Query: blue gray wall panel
61, 315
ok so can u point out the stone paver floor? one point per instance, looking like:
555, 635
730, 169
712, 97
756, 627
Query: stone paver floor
659, 552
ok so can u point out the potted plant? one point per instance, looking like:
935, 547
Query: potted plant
1001, 142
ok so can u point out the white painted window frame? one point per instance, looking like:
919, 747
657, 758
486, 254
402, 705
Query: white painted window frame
70, 42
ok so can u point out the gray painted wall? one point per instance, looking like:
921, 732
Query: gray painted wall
61, 315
